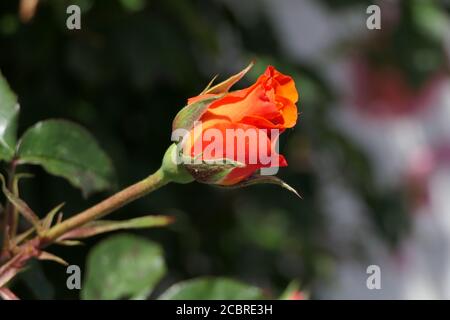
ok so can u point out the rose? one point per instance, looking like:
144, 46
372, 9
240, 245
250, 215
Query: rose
267, 104
260, 113
265, 109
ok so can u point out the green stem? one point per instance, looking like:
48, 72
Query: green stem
170, 171
15, 211
118, 200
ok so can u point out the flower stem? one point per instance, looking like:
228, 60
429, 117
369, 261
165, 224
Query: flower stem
33, 247
116, 201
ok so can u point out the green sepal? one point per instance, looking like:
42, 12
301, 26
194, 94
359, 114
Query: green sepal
173, 169
211, 171
259, 179
191, 113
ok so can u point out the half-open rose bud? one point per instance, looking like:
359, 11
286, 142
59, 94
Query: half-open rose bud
224, 137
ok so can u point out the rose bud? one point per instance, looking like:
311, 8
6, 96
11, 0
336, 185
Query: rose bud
229, 138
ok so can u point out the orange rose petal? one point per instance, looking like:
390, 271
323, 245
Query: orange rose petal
268, 104
253, 148
261, 123
284, 85
261, 100
239, 174
282, 161
286, 88
201, 97
255, 103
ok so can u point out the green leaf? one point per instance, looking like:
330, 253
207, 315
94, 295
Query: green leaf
123, 266
430, 19
101, 226
67, 150
9, 111
210, 288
